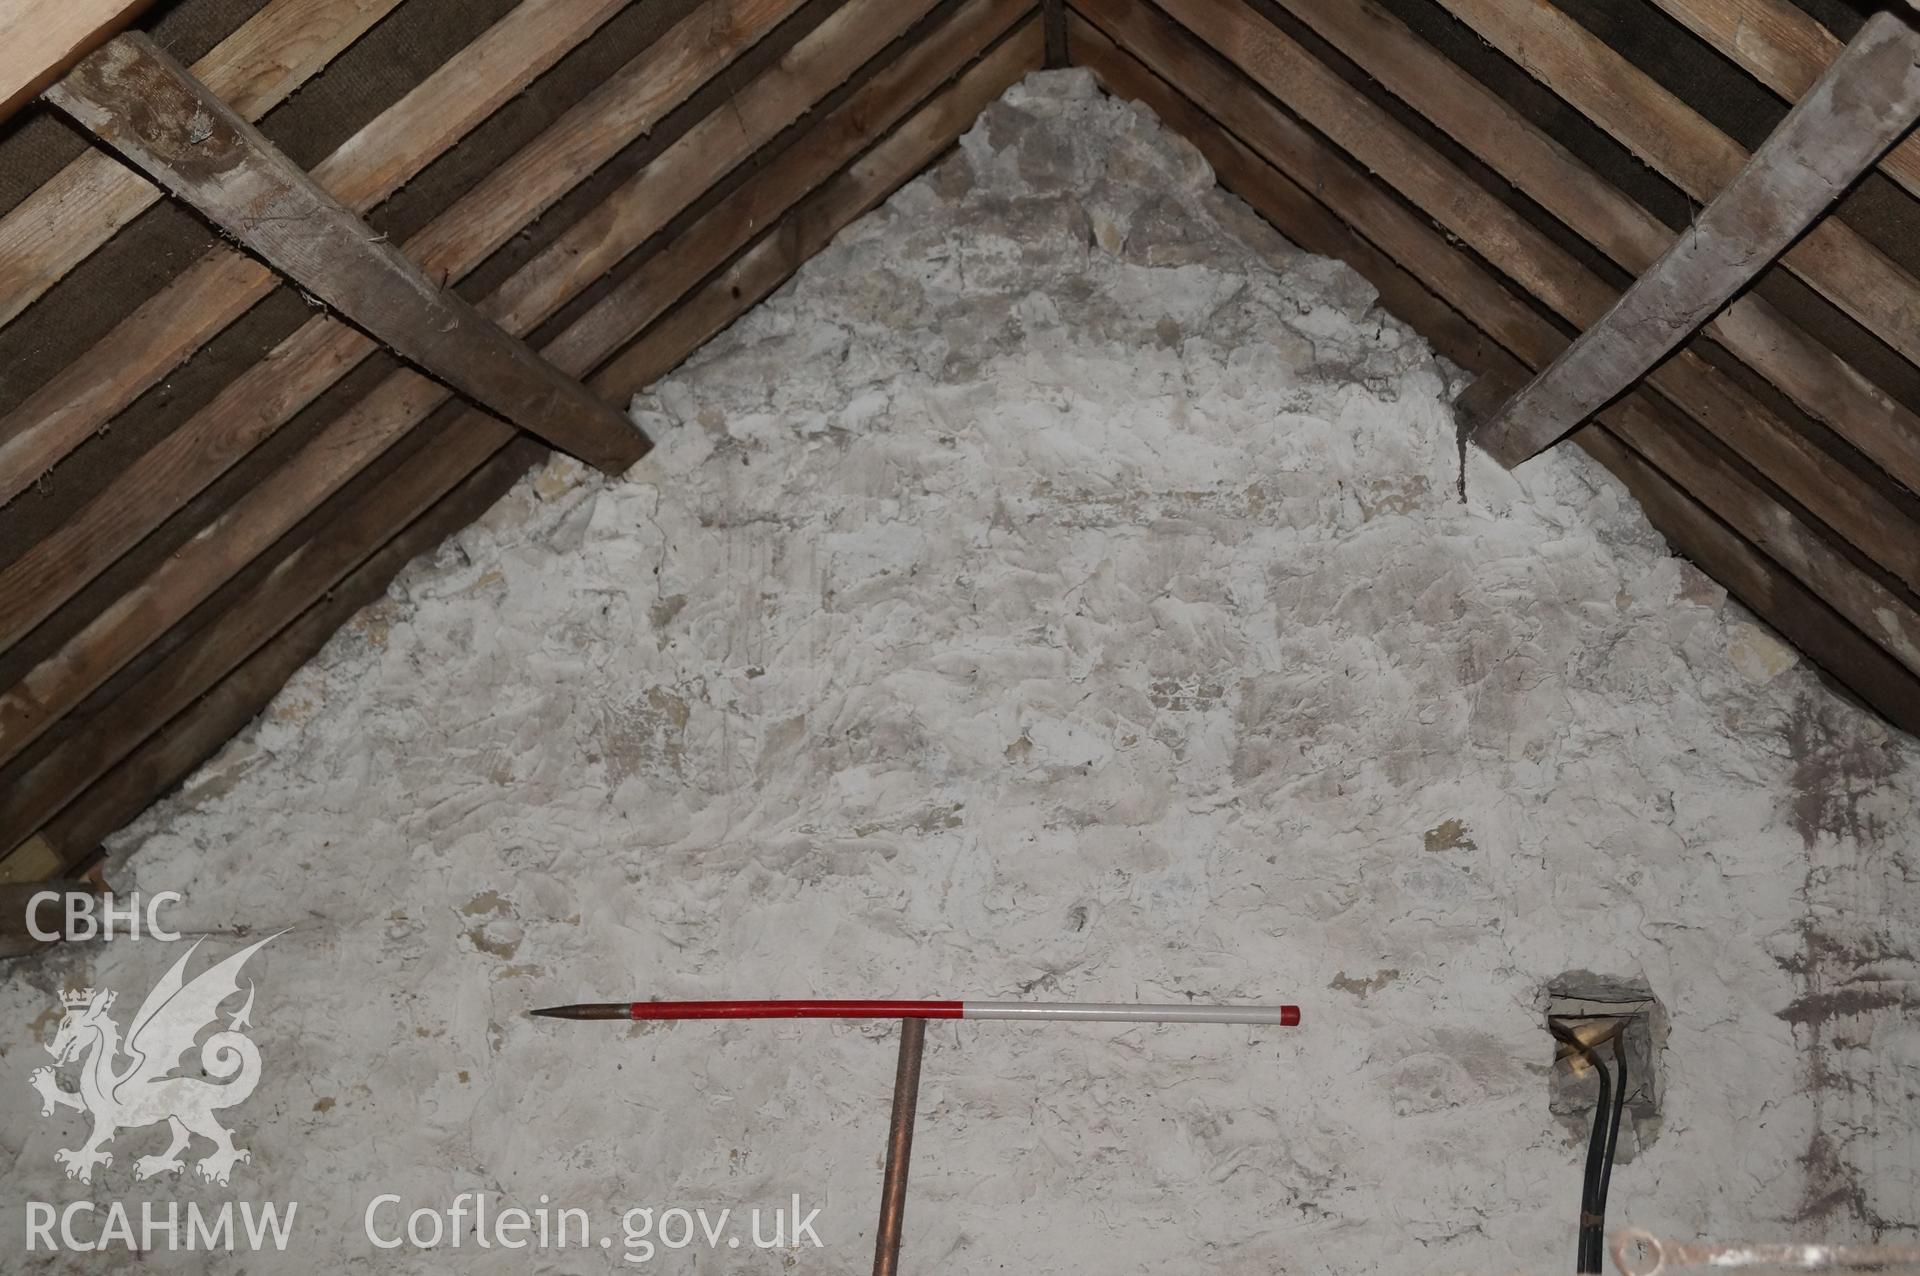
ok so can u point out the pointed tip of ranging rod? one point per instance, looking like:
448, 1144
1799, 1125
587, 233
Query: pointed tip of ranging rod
589, 1010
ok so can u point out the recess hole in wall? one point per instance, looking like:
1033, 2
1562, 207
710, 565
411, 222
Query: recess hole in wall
1581, 998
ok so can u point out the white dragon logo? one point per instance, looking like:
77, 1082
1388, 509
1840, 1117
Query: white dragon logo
145, 1091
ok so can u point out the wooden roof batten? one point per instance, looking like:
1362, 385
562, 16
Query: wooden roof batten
1768, 450
1866, 101
136, 99
304, 365
41, 41
838, 166
1817, 380
1251, 82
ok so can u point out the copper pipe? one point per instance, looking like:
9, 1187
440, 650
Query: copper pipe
1658, 1256
893, 1188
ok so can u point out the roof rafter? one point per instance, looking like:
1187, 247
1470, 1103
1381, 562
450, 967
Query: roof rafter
389, 151
145, 105
816, 186
253, 70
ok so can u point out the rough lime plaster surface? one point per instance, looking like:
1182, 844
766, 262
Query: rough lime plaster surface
1062, 590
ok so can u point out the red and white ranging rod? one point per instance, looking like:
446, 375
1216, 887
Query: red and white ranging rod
1030, 1011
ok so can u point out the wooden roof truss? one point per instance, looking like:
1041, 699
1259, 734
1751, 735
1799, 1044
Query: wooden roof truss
684, 180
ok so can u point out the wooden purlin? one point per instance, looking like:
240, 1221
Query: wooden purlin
1785, 48
1868, 99
382, 156
304, 365
55, 779
1521, 251
271, 596
757, 115
631, 213
802, 233
1690, 473
1818, 381
170, 754
253, 70
1832, 258
134, 97
833, 142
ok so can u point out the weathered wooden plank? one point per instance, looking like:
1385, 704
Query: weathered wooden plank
294, 583
142, 348
1834, 493
169, 754
258, 519
1866, 101
1799, 615
33, 860
755, 273
80, 207
1310, 88
679, 266
1510, 245
627, 106
143, 771
629, 216
303, 366
1785, 48
1688, 151
1819, 382
758, 114
1290, 150
382, 156
1537, 263
492, 70
1803, 618
141, 102
39, 41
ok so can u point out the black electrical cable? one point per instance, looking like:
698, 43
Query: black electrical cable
1608, 1109
1591, 1232
1613, 1139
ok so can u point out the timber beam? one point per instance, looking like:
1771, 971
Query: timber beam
1866, 101
182, 707
1819, 382
1682, 146
138, 100
1782, 566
